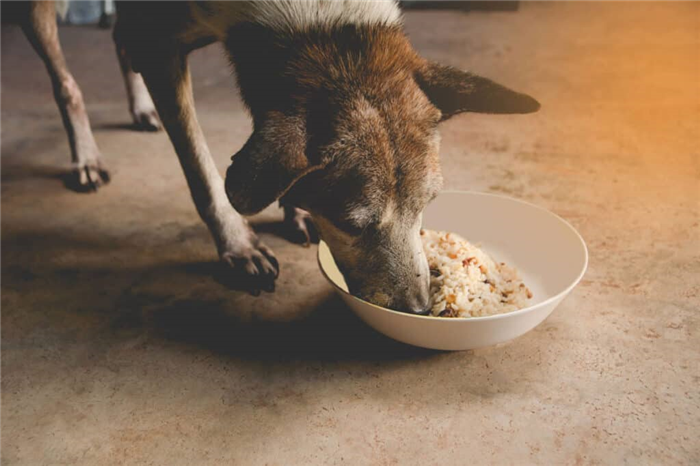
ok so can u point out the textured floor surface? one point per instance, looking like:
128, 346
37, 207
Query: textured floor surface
118, 346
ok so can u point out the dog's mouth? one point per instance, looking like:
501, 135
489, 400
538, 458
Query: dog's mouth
411, 305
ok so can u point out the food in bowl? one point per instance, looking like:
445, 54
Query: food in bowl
467, 282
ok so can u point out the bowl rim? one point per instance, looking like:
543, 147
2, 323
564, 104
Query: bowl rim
432, 318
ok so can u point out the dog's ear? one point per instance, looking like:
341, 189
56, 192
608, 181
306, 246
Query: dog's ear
454, 91
270, 162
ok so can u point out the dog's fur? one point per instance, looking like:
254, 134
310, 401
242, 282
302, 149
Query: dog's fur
345, 126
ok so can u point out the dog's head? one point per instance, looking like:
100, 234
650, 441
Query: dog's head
352, 137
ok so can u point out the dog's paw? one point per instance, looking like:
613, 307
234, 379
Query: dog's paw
89, 176
299, 227
253, 262
146, 119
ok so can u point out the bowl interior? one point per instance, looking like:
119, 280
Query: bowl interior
550, 255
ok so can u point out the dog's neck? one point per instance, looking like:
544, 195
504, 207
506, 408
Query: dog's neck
283, 48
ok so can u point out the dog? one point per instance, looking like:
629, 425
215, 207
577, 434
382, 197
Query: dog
345, 116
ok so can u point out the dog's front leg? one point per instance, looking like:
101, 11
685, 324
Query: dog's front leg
168, 79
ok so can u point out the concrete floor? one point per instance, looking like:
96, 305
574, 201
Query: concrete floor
119, 346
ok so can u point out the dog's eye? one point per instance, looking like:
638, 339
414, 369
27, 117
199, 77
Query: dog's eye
349, 227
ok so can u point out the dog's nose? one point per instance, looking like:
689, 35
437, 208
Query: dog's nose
420, 310
419, 303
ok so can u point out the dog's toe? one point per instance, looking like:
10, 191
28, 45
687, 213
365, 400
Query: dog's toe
147, 120
254, 264
90, 177
299, 226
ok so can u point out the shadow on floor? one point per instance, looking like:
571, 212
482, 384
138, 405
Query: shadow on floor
329, 332
18, 173
180, 302
121, 126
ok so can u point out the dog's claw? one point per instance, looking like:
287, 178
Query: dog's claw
146, 120
270, 259
256, 262
91, 176
300, 226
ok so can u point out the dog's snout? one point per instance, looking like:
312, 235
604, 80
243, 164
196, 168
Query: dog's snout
417, 300
419, 309
399, 276
421, 306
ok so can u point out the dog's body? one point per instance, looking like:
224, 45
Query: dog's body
345, 126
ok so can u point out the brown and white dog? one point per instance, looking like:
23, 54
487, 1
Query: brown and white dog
345, 119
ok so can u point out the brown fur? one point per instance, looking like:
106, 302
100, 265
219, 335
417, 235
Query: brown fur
455, 91
343, 129
365, 116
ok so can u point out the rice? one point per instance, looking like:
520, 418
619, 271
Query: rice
466, 282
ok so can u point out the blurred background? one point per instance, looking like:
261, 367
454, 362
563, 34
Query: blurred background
119, 346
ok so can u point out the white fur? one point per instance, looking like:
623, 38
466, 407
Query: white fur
298, 14
62, 8
293, 15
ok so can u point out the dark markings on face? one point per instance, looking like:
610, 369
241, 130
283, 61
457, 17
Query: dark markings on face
365, 115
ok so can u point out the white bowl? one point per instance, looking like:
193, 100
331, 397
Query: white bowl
549, 253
